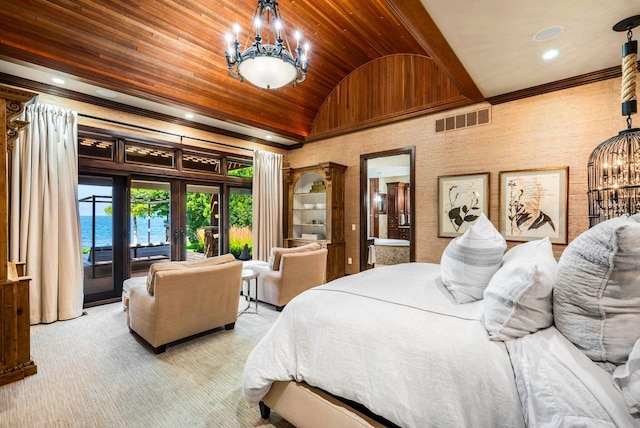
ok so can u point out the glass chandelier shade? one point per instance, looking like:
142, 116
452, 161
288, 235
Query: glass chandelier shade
268, 62
613, 170
614, 177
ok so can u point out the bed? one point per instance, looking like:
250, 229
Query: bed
393, 346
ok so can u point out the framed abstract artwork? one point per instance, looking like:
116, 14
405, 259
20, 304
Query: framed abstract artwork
461, 200
534, 204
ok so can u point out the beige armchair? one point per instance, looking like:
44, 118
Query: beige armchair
290, 271
181, 299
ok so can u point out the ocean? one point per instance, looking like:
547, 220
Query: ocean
104, 230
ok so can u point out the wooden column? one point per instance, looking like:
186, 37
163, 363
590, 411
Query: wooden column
15, 356
4, 195
210, 241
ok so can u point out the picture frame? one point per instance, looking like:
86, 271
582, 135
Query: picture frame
461, 200
533, 204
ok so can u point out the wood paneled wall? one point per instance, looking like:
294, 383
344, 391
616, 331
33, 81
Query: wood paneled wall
384, 90
555, 129
171, 52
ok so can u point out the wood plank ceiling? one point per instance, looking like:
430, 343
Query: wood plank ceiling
172, 52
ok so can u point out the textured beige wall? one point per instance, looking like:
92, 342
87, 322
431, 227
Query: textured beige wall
556, 129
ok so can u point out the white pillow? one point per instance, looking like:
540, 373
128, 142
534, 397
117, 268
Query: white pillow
470, 260
627, 379
517, 300
596, 294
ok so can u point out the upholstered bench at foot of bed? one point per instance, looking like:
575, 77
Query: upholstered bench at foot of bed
303, 405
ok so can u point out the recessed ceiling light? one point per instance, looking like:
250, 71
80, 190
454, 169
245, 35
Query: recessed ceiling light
188, 115
547, 33
550, 54
268, 137
57, 80
106, 93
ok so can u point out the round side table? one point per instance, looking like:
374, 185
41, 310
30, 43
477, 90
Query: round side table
249, 275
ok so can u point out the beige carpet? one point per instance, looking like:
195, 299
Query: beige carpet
93, 373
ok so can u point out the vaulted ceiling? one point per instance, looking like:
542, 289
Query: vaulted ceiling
171, 52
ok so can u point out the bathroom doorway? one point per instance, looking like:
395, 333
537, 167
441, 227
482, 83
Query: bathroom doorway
387, 208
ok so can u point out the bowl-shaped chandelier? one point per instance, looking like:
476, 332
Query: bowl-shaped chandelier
268, 62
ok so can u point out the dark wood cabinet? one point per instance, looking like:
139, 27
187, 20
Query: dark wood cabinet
15, 338
398, 203
315, 211
15, 341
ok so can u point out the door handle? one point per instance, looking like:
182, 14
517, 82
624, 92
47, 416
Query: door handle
178, 237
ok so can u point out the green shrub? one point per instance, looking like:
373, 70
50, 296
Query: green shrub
238, 237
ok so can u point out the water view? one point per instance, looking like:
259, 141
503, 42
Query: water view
104, 231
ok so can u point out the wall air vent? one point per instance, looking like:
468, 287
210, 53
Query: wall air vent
464, 120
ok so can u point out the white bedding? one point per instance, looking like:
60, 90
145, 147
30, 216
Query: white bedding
394, 340
406, 351
560, 386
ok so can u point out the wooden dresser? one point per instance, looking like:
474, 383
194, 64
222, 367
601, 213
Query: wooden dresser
15, 339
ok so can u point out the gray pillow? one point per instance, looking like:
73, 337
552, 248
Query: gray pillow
470, 260
518, 299
596, 296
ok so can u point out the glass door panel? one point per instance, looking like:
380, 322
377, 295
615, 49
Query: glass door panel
95, 197
202, 221
240, 223
150, 224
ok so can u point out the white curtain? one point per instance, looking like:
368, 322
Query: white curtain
45, 222
267, 203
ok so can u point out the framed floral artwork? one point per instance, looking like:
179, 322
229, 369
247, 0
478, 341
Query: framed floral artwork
534, 204
461, 200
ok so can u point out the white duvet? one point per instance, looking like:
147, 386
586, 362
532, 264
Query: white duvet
393, 340
560, 386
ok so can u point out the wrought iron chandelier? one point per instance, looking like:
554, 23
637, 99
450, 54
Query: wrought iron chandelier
614, 166
269, 62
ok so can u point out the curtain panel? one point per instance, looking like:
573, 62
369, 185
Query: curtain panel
267, 203
44, 215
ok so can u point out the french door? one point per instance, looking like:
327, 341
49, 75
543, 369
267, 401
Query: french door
103, 210
129, 223
239, 222
173, 220
150, 218
200, 229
